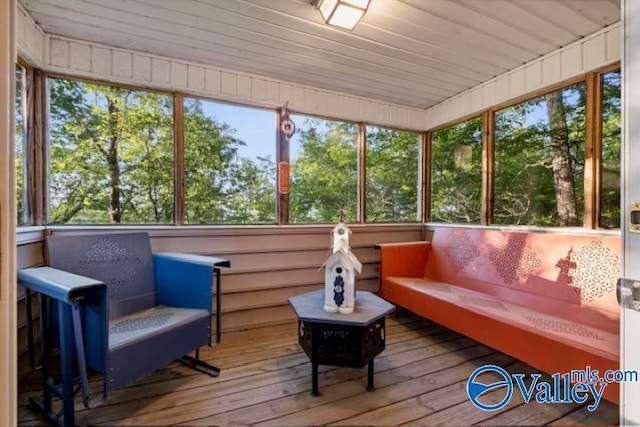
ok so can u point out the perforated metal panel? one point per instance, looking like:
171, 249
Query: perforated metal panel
122, 261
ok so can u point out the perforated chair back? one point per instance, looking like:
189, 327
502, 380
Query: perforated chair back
122, 261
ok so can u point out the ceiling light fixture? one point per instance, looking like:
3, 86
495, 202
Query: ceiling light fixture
342, 13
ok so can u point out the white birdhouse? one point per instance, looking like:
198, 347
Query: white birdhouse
340, 274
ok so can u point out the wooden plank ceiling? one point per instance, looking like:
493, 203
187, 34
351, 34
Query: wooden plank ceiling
409, 52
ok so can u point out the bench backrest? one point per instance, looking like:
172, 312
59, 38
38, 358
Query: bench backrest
569, 274
122, 261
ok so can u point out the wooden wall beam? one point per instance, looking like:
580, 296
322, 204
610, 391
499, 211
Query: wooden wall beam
426, 176
8, 287
178, 158
362, 173
488, 166
592, 150
282, 174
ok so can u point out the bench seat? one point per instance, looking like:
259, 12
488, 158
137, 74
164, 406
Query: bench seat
526, 294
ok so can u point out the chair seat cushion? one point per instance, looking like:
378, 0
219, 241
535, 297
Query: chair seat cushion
129, 329
582, 336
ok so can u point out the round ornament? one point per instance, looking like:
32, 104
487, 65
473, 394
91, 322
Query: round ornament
288, 127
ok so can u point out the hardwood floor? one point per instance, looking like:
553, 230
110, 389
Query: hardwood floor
266, 380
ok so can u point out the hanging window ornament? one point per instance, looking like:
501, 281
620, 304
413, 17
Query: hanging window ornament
287, 126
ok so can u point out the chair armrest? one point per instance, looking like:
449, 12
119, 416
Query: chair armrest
185, 280
58, 284
403, 259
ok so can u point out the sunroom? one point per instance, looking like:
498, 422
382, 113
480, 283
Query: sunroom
479, 152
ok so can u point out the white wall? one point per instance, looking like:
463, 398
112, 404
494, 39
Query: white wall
30, 38
79, 58
590, 53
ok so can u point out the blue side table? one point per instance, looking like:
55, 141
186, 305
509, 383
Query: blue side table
348, 340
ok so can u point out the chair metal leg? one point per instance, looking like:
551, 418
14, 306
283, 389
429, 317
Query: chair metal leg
62, 389
199, 365
66, 360
30, 338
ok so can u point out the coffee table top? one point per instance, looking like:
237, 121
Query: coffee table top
309, 307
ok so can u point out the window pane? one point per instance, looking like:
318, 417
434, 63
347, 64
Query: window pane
111, 154
393, 159
456, 173
539, 160
21, 133
324, 171
229, 156
611, 137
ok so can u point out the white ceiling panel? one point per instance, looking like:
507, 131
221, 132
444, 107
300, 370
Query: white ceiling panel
410, 52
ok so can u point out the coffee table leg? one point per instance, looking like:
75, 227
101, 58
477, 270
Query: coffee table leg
314, 379
370, 386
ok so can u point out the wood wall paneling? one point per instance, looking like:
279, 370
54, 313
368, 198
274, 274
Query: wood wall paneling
74, 57
8, 212
269, 264
590, 53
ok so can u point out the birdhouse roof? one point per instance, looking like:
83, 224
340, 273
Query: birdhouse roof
346, 258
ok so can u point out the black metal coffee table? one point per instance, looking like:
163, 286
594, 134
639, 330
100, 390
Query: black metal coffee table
349, 340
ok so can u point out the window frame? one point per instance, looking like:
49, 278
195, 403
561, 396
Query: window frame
31, 139
593, 159
420, 185
45, 150
593, 165
484, 163
597, 128
179, 99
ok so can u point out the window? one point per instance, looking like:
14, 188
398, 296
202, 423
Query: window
393, 171
539, 160
324, 171
611, 137
229, 166
20, 146
456, 173
110, 154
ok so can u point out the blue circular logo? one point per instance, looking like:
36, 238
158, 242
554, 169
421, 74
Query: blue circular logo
476, 389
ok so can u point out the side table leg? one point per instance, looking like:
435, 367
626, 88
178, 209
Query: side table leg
314, 379
370, 386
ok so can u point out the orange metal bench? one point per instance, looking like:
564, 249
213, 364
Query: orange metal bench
545, 298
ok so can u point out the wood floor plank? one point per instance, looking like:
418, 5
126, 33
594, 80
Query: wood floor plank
531, 413
420, 378
420, 406
225, 396
605, 414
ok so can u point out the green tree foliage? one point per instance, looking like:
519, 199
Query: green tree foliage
393, 167
111, 154
220, 185
539, 160
324, 172
456, 173
111, 161
611, 137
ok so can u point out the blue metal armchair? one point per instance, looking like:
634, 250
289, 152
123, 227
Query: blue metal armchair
110, 306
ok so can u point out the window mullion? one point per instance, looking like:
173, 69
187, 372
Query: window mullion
178, 160
426, 177
488, 163
362, 173
592, 151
